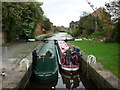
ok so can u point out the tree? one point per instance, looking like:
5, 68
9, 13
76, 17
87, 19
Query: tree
72, 24
47, 24
114, 8
116, 32
87, 25
20, 17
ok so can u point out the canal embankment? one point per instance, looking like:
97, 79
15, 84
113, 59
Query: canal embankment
101, 77
15, 74
98, 74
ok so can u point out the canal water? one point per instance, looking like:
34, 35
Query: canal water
60, 36
74, 81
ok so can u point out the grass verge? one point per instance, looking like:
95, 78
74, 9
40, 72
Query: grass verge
106, 53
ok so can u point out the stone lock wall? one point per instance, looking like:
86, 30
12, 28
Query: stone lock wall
101, 77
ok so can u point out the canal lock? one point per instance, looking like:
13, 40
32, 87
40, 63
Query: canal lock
64, 80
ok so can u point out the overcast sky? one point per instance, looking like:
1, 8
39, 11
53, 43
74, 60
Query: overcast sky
62, 12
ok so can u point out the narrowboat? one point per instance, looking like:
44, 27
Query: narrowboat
73, 65
47, 66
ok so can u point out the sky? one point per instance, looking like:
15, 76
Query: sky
62, 12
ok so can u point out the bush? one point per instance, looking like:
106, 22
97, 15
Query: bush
97, 34
76, 33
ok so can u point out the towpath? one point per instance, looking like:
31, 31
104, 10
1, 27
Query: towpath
12, 54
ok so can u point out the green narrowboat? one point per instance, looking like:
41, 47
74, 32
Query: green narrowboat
47, 66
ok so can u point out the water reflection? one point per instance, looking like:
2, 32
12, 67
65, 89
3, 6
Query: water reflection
36, 84
69, 81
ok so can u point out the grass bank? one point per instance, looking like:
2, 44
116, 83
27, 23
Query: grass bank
42, 36
106, 53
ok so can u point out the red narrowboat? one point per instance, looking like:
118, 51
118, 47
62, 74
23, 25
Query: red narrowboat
70, 64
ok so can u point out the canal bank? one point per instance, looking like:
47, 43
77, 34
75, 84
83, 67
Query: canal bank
101, 77
96, 73
15, 71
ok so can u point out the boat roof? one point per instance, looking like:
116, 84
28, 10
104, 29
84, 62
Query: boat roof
47, 45
47, 65
63, 46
